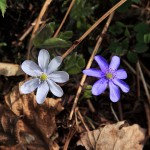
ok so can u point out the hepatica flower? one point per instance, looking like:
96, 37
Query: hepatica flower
44, 75
108, 76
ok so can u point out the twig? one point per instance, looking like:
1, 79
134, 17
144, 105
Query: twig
145, 69
144, 83
147, 111
91, 107
89, 64
120, 110
64, 19
42, 12
82, 120
70, 135
77, 42
138, 81
114, 113
133, 70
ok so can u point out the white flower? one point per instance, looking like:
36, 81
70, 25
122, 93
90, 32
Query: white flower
45, 75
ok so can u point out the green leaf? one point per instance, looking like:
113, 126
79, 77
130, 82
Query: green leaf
65, 35
3, 6
3, 44
147, 38
132, 57
136, 1
53, 43
142, 28
125, 6
87, 92
141, 47
44, 33
74, 63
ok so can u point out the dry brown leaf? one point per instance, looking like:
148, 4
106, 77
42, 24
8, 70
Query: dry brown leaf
41, 118
114, 137
8, 69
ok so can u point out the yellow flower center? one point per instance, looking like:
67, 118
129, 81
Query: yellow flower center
43, 77
109, 75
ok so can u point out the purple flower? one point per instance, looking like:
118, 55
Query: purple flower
108, 76
44, 76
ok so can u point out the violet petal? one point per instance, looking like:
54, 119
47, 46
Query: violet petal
114, 92
99, 86
101, 62
124, 87
121, 74
115, 62
94, 73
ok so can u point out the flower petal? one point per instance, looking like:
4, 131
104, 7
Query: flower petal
124, 87
59, 76
55, 89
121, 74
54, 64
29, 86
101, 62
42, 92
43, 59
115, 62
99, 86
114, 92
94, 73
31, 68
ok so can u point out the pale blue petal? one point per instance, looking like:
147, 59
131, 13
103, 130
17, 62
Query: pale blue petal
124, 87
42, 92
121, 74
29, 86
55, 89
101, 62
54, 64
99, 86
115, 62
31, 68
94, 73
43, 59
59, 76
114, 92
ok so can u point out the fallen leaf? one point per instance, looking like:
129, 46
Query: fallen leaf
119, 136
41, 118
8, 69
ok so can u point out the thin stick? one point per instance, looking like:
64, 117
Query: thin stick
144, 83
133, 70
64, 19
77, 42
82, 120
114, 113
89, 64
138, 82
42, 12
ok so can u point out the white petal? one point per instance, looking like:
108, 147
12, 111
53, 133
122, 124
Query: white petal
54, 64
59, 76
42, 92
43, 59
31, 68
29, 86
55, 89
